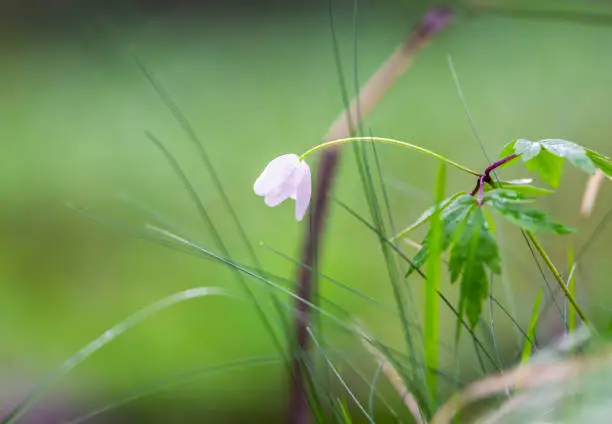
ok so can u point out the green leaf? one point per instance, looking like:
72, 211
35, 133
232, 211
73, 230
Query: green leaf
467, 232
511, 205
506, 195
548, 166
426, 216
576, 154
527, 149
452, 217
474, 250
528, 190
547, 156
602, 162
522, 186
508, 149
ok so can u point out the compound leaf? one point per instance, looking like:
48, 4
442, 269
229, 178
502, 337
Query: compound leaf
474, 250
547, 156
452, 217
548, 166
512, 206
426, 216
523, 186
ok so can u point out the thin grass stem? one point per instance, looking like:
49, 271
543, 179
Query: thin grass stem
101, 341
558, 278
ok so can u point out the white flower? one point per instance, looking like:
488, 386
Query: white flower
284, 177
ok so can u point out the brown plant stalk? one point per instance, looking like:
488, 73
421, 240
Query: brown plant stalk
344, 126
590, 193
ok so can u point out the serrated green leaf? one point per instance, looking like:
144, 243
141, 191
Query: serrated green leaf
546, 157
528, 190
513, 208
490, 221
522, 186
474, 250
602, 162
507, 150
452, 217
426, 216
527, 149
548, 166
506, 195
573, 152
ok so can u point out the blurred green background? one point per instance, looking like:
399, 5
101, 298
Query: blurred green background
255, 81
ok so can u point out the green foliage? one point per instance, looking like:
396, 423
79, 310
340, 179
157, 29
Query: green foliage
523, 186
546, 157
473, 250
602, 162
452, 218
466, 232
512, 206
426, 216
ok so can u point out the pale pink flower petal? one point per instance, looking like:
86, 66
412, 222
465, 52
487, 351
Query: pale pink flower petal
277, 195
285, 177
277, 170
303, 192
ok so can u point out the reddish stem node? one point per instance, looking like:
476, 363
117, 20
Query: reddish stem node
486, 177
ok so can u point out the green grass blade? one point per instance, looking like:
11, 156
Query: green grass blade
104, 339
552, 299
256, 276
373, 390
426, 216
334, 281
480, 348
571, 286
339, 377
560, 282
513, 320
464, 104
530, 342
197, 142
370, 382
432, 286
218, 240
380, 235
346, 417
403, 298
179, 243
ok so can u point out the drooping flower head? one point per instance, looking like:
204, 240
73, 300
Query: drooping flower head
289, 175
286, 176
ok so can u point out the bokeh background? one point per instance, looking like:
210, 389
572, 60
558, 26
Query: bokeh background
256, 79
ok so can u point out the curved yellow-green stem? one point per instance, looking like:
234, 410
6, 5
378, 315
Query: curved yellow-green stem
388, 141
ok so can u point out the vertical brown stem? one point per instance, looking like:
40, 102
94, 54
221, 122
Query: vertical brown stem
370, 94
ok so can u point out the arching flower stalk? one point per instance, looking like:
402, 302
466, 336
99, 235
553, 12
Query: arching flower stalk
288, 176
